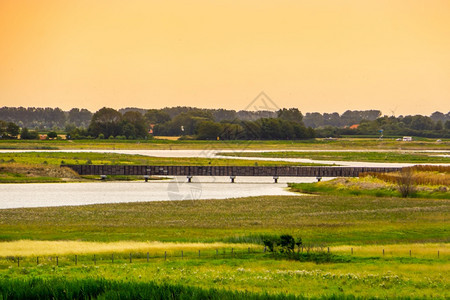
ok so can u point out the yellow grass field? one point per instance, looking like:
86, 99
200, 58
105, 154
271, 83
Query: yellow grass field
33, 248
426, 250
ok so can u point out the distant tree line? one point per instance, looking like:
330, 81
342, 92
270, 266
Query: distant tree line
286, 124
348, 118
435, 126
46, 118
208, 124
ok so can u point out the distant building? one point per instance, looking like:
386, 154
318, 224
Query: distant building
354, 126
407, 139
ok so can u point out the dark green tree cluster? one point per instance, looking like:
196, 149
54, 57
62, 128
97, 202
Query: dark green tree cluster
287, 125
26, 134
109, 123
8, 130
284, 243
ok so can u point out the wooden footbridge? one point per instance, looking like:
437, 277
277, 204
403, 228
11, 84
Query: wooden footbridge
231, 171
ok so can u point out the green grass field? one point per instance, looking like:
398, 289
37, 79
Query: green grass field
36, 167
57, 158
367, 156
344, 143
381, 246
331, 220
366, 224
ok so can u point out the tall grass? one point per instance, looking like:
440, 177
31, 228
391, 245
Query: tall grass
421, 175
94, 288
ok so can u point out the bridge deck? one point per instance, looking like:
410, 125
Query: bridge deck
285, 171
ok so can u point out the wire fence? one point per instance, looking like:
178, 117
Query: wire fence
223, 253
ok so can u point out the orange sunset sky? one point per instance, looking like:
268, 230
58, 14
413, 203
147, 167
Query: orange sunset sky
318, 55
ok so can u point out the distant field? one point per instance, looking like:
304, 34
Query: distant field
388, 156
58, 158
345, 143
34, 167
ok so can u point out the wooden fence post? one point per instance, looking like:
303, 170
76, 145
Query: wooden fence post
76, 260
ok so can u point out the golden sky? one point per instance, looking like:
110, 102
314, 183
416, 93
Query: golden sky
317, 55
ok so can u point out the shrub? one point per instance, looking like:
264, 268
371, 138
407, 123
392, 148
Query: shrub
406, 183
287, 243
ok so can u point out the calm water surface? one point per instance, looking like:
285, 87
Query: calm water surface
62, 194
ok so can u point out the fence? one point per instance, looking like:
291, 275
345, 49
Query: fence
232, 253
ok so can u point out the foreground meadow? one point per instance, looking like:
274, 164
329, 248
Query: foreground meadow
353, 246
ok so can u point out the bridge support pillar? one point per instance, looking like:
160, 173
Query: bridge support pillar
275, 179
232, 178
189, 178
103, 177
318, 178
146, 178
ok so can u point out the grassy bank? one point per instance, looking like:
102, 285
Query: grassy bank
38, 167
57, 158
366, 156
422, 182
330, 220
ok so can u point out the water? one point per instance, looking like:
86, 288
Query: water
65, 194
213, 153
40, 195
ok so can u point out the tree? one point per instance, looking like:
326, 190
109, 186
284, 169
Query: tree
208, 130
447, 124
80, 118
287, 243
106, 121
12, 130
291, 114
439, 125
231, 131
52, 135
405, 182
138, 123
3, 126
154, 116
26, 134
